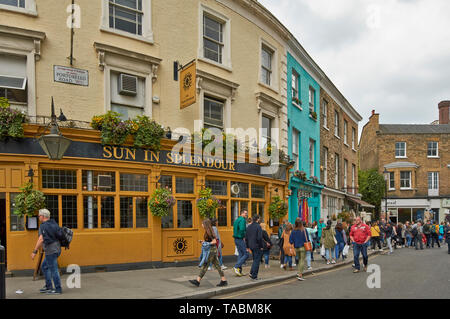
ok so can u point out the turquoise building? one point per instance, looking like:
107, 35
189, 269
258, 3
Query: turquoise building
303, 107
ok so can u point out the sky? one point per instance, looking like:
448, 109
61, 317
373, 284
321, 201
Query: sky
391, 56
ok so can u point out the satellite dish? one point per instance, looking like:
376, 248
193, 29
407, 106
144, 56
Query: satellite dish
235, 189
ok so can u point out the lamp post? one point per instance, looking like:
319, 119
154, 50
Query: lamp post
386, 178
54, 144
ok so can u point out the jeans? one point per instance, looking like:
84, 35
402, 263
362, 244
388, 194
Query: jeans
266, 254
428, 236
357, 249
257, 254
329, 252
288, 259
50, 270
408, 240
309, 255
243, 254
389, 243
338, 249
418, 239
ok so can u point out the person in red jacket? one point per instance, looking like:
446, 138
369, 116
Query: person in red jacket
360, 235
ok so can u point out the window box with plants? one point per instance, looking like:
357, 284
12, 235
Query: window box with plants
313, 115
10, 121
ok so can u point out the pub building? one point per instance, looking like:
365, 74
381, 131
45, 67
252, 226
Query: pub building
101, 192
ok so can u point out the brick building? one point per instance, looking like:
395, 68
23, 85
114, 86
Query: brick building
338, 155
417, 159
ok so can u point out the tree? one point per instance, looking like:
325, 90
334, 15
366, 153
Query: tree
372, 187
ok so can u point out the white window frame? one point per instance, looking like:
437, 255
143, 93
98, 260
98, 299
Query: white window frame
296, 147
295, 84
312, 92
353, 138
30, 8
226, 49
437, 149
403, 179
325, 166
400, 156
274, 66
268, 135
353, 178
325, 114
345, 132
391, 180
336, 171
345, 174
312, 157
218, 100
147, 32
434, 180
336, 124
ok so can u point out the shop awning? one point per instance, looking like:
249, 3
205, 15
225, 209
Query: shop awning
360, 202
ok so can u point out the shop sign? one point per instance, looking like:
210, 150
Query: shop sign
188, 91
70, 75
446, 202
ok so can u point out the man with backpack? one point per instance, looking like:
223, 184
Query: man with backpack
435, 235
427, 232
50, 235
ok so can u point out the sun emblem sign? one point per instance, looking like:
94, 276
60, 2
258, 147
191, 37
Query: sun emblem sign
180, 245
187, 81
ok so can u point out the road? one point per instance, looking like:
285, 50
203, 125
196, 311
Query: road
406, 274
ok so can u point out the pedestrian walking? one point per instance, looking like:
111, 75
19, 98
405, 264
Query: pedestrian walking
441, 232
427, 232
314, 239
388, 230
320, 227
255, 245
329, 242
298, 238
434, 234
209, 238
288, 248
268, 245
48, 239
341, 241
219, 244
418, 233
281, 242
375, 236
382, 224
360, 235
312, 231
239, 231
408, 234
447, 235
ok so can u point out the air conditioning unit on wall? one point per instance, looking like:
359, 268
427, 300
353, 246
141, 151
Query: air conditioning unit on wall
128, 84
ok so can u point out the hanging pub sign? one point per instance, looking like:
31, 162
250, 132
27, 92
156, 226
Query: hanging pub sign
68, 75
188, 83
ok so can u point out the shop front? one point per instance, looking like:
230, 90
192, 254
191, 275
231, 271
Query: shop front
402, 210
102, 193
304, 201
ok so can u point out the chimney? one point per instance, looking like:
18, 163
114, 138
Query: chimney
444, 112
375, 119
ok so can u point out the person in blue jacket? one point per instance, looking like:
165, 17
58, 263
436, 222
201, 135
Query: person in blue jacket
298, 238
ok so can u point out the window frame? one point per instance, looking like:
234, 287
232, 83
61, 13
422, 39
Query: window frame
295, 79
434, 180
436, 149
29, 8
325, 114
405, 148
296, 148
221, 45
391, 181
267, 69
345, 132
336, 124
218, 101
312, 157
403, 179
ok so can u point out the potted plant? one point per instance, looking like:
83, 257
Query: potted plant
300, 174
161, 202
10, 121
29, 201
278, 208
114, 131
313, 115
147, 133
207, 203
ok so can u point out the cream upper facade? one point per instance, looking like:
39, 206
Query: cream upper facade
238, 46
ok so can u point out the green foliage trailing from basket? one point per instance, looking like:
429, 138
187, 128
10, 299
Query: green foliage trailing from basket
161, 202
114, 131
10, 121
29, 201
278, 208
148, 133
207, 203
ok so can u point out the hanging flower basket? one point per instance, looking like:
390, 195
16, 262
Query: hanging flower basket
278, 208
161, 202
207, 203
29, 201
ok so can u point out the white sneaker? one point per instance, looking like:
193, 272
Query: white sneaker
224, 267
328, 263
333, 261
265, 266
281, 266
294, 264
209, 268
309, 268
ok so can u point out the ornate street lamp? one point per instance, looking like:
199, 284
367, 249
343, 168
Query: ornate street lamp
54, 144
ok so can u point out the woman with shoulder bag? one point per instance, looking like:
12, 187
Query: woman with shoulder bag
299, 237
329, 242
288, 248
267, 245
210, 237
309, 253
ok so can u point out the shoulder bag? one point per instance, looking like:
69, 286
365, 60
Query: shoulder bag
307, 244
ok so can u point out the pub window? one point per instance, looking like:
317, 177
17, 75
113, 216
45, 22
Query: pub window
14, 3
133, 182
167, 221
51, 203
141, 212
213, 113
184, 214
126, 15
218, 188
213, 39
107, 212
90, 212
222, 214
59, 179
126, 212
184, 185
16, 223
236, 208
258, 209
242, 190
69, 211
258, 191
99, 181
165, 181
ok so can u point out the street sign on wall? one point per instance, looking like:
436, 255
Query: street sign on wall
68, 75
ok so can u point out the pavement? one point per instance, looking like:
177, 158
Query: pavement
162, 283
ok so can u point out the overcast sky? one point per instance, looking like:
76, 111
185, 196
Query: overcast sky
389, 55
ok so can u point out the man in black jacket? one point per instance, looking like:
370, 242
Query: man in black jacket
255, 244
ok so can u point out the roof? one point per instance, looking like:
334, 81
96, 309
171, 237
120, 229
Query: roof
360, 202
401, 165
414, 129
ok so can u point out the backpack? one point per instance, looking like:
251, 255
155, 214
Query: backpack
433, 229
64, 236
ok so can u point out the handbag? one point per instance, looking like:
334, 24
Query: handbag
345, 251
307, 245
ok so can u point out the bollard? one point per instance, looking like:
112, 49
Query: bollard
2, 273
